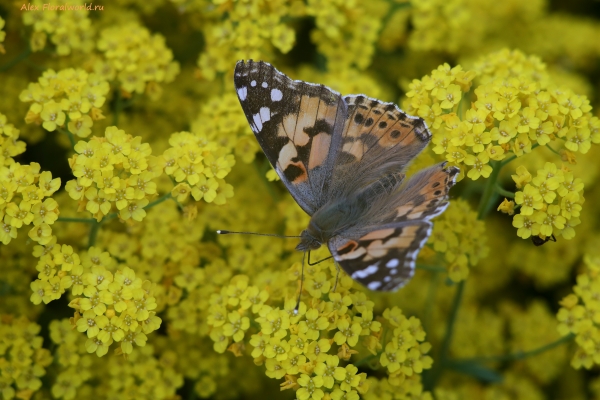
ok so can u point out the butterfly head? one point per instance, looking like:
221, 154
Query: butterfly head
308, 241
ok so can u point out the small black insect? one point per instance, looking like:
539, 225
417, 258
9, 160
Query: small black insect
538, 241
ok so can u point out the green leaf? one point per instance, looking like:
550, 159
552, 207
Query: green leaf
477, 371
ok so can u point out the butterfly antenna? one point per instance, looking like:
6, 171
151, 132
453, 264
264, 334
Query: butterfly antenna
301, 284
223, 232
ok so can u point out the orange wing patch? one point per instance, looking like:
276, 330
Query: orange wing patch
373, 123
383, 259
426, 193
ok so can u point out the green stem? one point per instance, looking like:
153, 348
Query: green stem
503, 192
24, 54
552, 150
82, 220
488, 191
519, 355
509, 159
433, 285
118, 106
432, 268
447, 341
68, 133
93, 233
164, 197
366, 359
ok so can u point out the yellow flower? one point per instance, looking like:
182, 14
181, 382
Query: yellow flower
310, 388
480, 165
507, 207
347, 333
347, 377
530, 199
527, 225
52, 115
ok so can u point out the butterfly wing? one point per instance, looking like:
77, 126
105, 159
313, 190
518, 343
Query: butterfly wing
378, 139
297, 124
425, 195
383, 259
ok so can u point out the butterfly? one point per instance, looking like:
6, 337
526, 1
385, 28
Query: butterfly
342, 158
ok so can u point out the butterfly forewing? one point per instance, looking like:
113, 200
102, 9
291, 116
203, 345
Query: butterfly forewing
383, 259
378, 139
298, 126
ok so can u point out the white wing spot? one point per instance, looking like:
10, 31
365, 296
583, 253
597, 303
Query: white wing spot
387, 279
265, 114
363, 273
374, 285
257, 122
264, 84
243, 92
253, 83
393, 263
276, 95
394, 271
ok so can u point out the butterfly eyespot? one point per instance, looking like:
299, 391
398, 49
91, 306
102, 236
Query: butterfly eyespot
358, 118
394, 134
382, 125
437, 192
369, 122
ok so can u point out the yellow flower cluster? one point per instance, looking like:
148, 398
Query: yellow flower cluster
447, 26
114, 171
136, 58
23, 360
345, 29
309, 348
461, 238
140, 375
530, 327
24, 191
549, 203
440, 25
220, 121
579, 314
513, 109
72, 358
69, 96
116, 306
239, 30
68, 31
199, 165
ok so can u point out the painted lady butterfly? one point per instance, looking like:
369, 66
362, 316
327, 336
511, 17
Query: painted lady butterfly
342, 159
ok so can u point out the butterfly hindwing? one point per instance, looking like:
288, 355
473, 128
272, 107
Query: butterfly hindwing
425, 195
298, 126
383, 259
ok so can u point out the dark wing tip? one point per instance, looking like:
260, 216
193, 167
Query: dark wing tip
421, 130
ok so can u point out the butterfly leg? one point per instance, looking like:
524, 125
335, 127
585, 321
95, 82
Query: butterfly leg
337, 275
317, 262
301, 283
